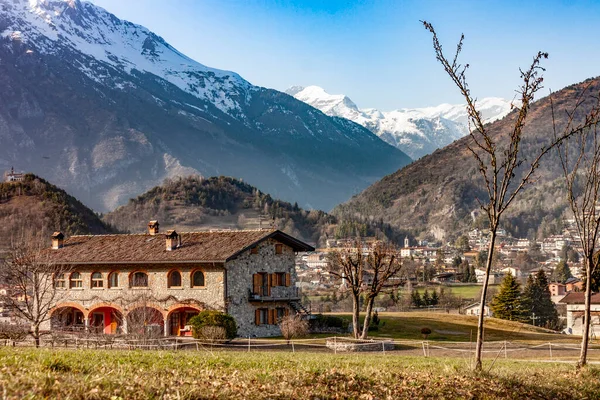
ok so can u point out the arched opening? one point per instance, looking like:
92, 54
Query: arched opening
198, 279
178, 321
97, 280
138, 279
174, 279
67, 319
113, 280
105, 319
145, 322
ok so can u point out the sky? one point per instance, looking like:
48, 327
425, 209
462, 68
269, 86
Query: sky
377, 52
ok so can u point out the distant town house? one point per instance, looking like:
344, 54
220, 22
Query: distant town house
575, 310
12, 176
116, 281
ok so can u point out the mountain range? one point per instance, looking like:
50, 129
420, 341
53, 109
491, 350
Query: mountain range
415, 131
108, 109
437, 196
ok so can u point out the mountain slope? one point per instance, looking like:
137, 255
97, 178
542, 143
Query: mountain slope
108, 109
416, 131
436, 196
39, 206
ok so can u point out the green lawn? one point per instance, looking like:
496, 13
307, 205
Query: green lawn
105, 374
464, 291
456, 327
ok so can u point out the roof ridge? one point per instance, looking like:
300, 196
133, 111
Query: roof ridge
182, 232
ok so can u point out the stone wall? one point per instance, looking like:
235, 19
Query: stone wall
157, 295
239, 284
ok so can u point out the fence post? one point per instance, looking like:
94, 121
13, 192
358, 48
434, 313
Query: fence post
424, 352
383, 347
248, 344
505, 355
293, 350
550, 345
335, 345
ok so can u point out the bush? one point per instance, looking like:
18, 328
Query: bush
329, 321
293, 327
204, 323
425, 332
15, 333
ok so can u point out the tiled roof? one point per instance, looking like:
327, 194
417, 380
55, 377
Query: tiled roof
579, 298
209, 246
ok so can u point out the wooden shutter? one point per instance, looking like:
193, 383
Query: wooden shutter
257, 316
288, 279
271, 319
269, 283
286, 312
273, 279
256, 283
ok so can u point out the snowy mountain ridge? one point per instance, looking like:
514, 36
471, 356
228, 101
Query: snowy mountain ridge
415, 131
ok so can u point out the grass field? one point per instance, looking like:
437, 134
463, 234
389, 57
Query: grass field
456, 327
106, 374
464, 291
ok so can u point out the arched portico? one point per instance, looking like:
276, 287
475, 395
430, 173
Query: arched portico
178, 317
68, 317
146, 321
106, 318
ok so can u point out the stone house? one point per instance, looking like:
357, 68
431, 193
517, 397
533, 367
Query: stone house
575, 309
126, 282
473, 309
12, 176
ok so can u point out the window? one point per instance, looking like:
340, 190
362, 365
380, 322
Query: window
254, 250
261, 285
75, 280
261, 316
59, 281
198, 279
97, 281
113, 280
279, 279
139, 279
278, 249
281, 313
174, 279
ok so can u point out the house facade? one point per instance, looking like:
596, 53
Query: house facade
157, 282
575, 302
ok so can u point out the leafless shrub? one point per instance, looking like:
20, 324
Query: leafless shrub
13, 332
213, 334
293, 326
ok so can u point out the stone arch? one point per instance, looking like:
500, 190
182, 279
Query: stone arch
178, 316
70, 304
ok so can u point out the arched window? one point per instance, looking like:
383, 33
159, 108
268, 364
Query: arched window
75, 280
174, 279
113, 280
198, 279
59, 281
139, 279
97, 280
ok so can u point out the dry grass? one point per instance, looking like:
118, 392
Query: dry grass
96, 374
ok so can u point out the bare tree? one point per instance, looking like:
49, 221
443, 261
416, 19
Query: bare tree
35, 283
349, 266
293, 326
384, 266
502, 166
580, 159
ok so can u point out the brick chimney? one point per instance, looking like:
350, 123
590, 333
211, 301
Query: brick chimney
153, 227
173, 240
58, 240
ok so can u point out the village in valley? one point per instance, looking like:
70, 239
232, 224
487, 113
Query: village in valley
170, 230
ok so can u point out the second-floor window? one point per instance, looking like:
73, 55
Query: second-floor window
198, 279
139, 279
174, 279
75, 280
97, 281
59, 281
261, 285
113, 280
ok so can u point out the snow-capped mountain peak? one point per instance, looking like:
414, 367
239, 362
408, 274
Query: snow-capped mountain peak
416, 131
119, 44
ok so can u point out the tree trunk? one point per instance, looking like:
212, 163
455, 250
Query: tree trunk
488, 268
355, 314
36, 335
585, 334
367, 322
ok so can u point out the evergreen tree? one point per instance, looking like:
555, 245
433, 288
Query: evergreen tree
426, 298
562, 272
435, 299
472, 274
416, 298
537, 301
507, 303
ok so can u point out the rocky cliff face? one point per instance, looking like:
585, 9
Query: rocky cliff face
108, 109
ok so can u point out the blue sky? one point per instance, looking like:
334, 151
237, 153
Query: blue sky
377, 52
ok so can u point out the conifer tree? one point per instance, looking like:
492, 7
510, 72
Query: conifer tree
561, 272
435, 299
416, 298
426, 298
537, 301
472, 274
507, 304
